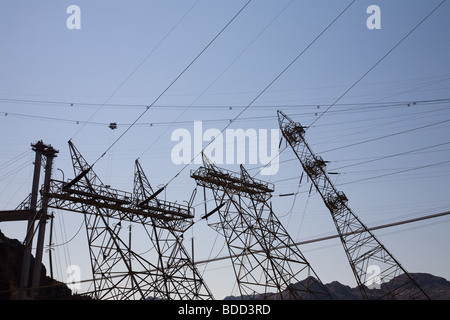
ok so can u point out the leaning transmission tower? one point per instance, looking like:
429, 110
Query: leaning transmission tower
267, 263
363, 249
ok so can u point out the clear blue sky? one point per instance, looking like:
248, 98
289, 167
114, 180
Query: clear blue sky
53, 80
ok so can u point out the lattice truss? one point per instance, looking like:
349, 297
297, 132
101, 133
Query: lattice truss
147, 261
267, 264
364, 251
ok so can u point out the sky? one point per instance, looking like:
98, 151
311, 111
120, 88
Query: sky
378, 108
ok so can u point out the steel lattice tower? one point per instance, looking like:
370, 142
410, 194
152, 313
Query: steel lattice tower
164, 270
267, 264
363, 249
179, 278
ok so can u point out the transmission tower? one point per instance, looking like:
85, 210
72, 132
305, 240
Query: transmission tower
179, 277
266, 262
362, 248
164, 269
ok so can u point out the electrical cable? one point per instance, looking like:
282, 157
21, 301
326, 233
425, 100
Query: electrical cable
14, 171
377, 63
265, 88
397, 172
367, 141
293, 202
303, 216
173, 82
137, 67
219, 76
300, 243
73, 237
208, 106
387, 136
392, 155
13, 160
376, 177
374, 66
373, 107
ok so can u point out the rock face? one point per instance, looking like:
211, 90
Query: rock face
11, 254
437, 288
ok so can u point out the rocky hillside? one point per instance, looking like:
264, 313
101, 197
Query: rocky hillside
437, 288
11, 254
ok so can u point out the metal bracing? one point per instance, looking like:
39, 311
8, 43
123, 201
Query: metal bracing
267, 264
362, 248
124, 267
180, 277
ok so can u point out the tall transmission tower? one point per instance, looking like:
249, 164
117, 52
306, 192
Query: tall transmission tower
266, 262
163, 270
362, 248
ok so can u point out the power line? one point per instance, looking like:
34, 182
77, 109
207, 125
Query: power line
46, 118
137, 67
352, 107
393, 155
370, 140
378, 62
13, 160
266, 88
208, 106
388, 135
175, 80
397, 172
220, 75
367, 72
389, 225
15, 170
382, 175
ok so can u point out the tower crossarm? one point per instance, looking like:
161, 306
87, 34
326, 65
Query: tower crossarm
221, 179
120, 204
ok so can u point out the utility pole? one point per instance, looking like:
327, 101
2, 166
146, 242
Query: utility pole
42, 216
39, 148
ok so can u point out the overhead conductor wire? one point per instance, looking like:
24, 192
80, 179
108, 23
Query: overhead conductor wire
265, 89
136, 68
218, 77
173, 82
378, 62
368, 71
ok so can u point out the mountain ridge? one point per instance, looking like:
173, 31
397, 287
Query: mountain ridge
436, 287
